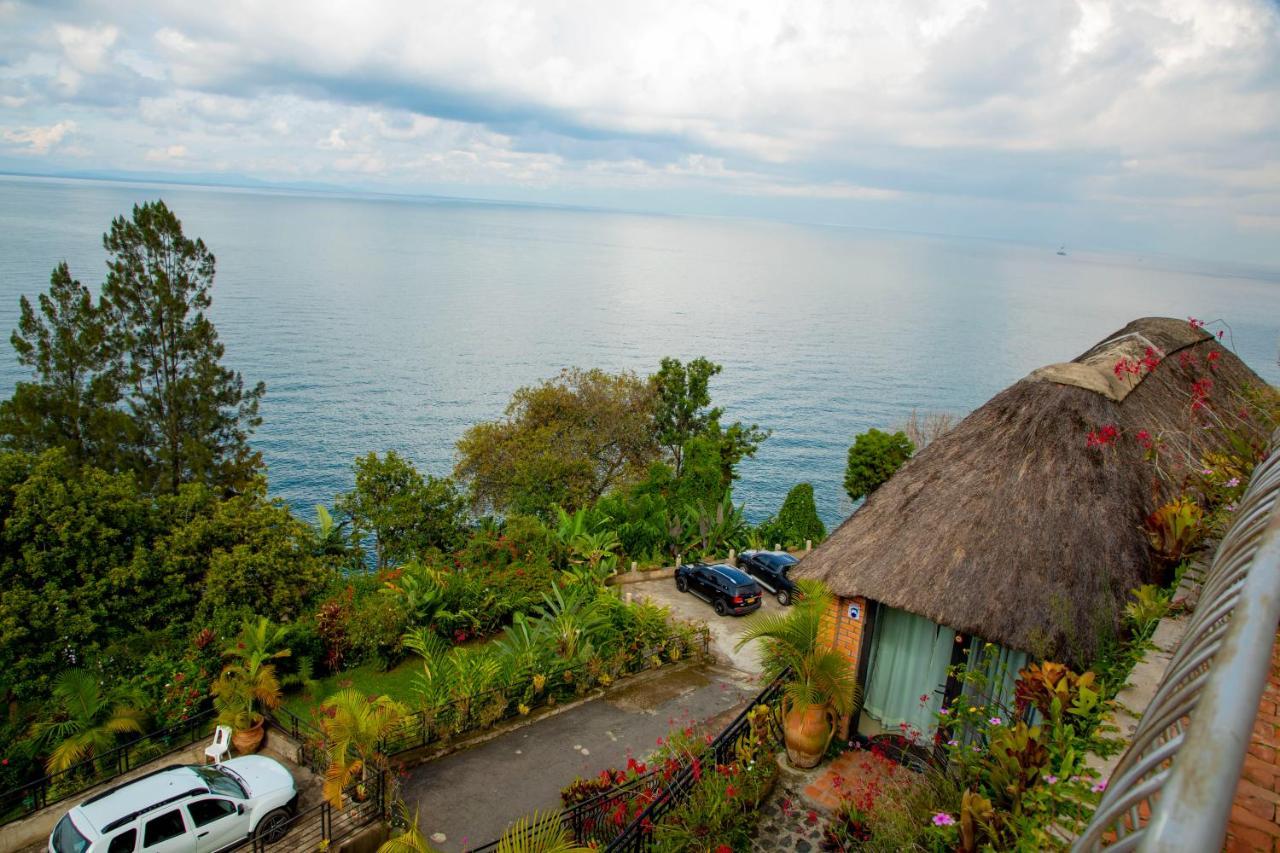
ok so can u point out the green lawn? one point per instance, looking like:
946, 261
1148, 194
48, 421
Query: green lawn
368, 679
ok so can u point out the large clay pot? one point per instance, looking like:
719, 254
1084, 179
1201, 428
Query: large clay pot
807, 731
248, 740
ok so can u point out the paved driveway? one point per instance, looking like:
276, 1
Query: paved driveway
471, 796
725, 630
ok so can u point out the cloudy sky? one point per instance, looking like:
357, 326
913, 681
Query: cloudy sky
1153, 126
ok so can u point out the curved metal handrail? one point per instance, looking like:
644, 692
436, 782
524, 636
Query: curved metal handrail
1174, 787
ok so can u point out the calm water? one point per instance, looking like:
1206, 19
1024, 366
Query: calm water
381, 324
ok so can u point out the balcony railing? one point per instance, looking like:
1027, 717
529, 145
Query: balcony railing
1173, 789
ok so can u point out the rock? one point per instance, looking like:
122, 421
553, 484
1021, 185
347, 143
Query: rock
439, 837
585, 751
803, 846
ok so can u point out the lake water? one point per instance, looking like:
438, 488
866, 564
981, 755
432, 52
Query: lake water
383, 323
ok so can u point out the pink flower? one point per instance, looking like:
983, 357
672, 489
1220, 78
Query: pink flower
1194, 323
996, 721
1100, 787
1051, 779
943, 819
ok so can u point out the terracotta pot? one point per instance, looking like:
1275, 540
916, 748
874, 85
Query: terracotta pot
807, 731
247, 741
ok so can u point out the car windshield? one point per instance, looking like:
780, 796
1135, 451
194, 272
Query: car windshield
67, 839
780, 561
222, 780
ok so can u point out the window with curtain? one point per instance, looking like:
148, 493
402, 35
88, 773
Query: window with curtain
909, 658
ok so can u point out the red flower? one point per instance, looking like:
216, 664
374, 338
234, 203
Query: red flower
1212, 358
812, 816
1194, 323
730, 792
1144, 438
1103, 436
1185, 359
697, 770
724, 848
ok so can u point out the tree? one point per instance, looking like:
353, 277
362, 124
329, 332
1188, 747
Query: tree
354, 727
193, 416
404, 512
798, 519
564, 442
682, 409
873, 459
85, 719
74, 401
683, 412
258, 559
75, 573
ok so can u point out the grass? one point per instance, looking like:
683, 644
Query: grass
396, 682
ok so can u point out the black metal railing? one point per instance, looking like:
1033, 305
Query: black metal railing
48, 790
320, 826
489, 707
675, 791
609, 821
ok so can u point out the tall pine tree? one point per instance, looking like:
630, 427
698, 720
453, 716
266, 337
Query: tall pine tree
192, 416
74, 401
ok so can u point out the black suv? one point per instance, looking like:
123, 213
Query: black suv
726, 589
771, 569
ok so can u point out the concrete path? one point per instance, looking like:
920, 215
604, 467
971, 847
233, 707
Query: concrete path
471, 796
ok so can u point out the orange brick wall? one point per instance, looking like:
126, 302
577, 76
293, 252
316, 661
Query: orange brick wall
1255, 824
843, 633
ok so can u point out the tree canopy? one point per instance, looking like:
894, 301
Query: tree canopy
873, 459
135, 380
403, 511
565, 442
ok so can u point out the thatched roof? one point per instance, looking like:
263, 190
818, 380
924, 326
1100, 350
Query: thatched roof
1009, 527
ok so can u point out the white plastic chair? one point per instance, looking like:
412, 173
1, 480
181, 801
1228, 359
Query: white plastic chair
221, 746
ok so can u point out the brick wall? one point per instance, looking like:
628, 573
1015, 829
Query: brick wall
843, 632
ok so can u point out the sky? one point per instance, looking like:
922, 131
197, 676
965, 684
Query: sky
1144, 126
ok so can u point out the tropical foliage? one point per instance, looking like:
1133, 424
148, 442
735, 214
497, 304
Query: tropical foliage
793, 641
873, 459
86, 719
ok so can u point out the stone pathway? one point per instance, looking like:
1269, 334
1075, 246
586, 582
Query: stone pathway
787, 822
794, 815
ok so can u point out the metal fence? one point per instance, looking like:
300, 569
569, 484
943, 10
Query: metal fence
609, 820
25, 799
483, 709
318, 827
1174, 787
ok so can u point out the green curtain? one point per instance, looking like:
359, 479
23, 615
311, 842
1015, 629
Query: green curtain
909, 659
999, 668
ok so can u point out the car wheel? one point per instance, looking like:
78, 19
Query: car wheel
784, 597
720, 608
273, 827
682, 584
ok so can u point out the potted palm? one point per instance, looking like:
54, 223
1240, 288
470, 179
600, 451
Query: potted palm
822, 685
354, 728
249, 684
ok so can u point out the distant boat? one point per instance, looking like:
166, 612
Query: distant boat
1062, 250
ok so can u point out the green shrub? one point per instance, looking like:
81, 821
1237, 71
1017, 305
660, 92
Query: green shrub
798, 519
873, 459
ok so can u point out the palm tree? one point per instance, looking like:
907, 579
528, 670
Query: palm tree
250, 682
87, 719
822, 680
354, 728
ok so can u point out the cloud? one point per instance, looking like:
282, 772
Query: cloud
173, 152
1078, 105
38, 140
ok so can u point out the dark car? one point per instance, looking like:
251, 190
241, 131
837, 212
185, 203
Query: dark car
772, 570
726, 589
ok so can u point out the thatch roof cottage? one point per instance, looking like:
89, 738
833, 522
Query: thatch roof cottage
1011, 529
